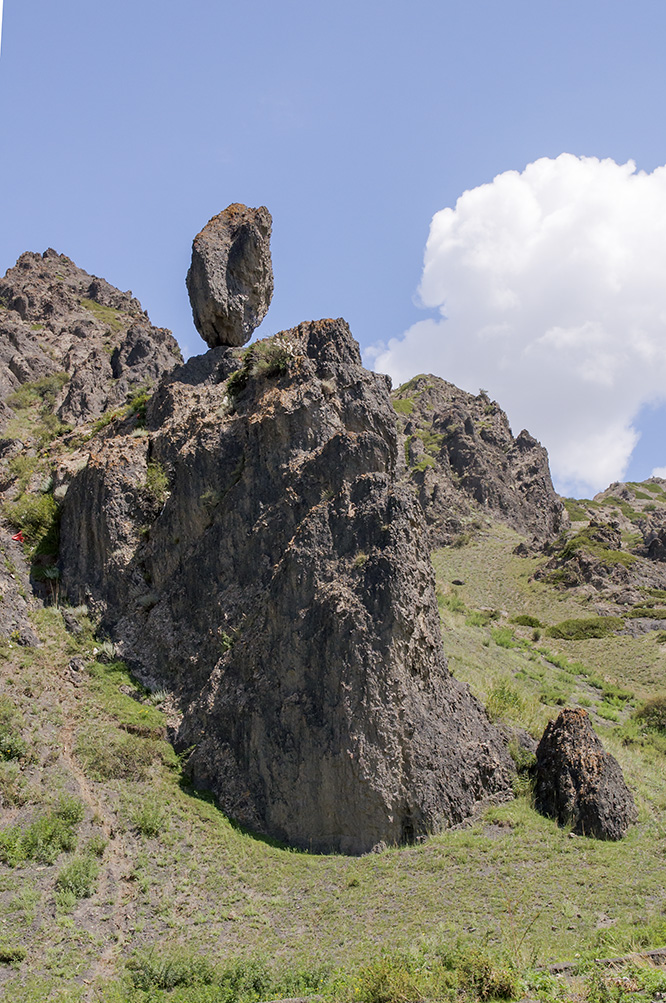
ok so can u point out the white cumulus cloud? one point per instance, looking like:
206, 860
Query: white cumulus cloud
551, 290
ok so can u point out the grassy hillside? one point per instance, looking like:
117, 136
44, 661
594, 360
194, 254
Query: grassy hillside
118, 882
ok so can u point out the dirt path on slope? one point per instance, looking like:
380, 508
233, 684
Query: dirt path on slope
114, 885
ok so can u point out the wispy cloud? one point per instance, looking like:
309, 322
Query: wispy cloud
551, 293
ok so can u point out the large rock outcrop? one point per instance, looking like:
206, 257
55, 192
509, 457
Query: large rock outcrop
257, 552
578, 783
71, 348
465, 463
230, 281
57, 319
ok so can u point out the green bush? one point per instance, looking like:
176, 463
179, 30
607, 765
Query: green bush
78, 878
652, 714
524, 620
587, 540
647, 613
585, 628
70, 809
403, 405
36, 516
576, 512
169, 969
138, 403
12, 744
157, 481
271, 357
43, 840
503, 637
452, 601
96, 845
504, 700
481, 618
387, 980
481, 977
43, 391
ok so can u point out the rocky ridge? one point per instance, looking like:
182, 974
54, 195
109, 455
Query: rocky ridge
73, 349
57, 319
465, 464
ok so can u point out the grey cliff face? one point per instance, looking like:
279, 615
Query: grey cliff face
282, 585
230, 281
464, 461
578, 783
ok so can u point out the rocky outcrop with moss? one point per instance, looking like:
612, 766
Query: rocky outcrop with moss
465, 464
89, 343
256, 551
75, 353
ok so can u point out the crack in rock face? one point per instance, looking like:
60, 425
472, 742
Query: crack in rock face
230, 281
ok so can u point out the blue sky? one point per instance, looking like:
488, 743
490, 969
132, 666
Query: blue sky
127, 126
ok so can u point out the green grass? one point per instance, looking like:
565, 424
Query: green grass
78, 877
575, 509
157, 481
583, 628
42, 840
213, 913
403, 405
107, 315
585, 540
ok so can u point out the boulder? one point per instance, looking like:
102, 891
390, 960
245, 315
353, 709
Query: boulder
230, 281
578, 783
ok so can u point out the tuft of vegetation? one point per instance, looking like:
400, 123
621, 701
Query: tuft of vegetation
106, 314
43, 840
504, 701
504, 638
149, 817
585, 628
12, 744
42, 392
524, 620
78, 877
652, 714
137, 404
647, 612
12, 954
588, 541
37, 517
575, 509
268, 358
481, 617
108, 754
157, 481
403, 405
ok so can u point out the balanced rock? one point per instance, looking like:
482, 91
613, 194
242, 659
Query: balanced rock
578, 782
230, 281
